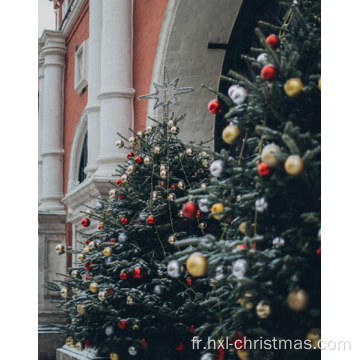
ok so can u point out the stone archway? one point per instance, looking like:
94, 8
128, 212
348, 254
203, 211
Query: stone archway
188, 27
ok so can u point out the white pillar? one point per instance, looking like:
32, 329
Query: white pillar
40, 124
116, 95
52, 154
94, 77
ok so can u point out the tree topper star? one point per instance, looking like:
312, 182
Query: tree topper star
166, 93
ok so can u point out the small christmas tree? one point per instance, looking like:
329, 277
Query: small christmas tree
266, 265
123, 296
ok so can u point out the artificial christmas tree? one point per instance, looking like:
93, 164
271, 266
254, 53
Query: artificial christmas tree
123, 296
265, 267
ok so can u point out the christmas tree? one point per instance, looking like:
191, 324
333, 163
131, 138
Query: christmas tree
123, 296
266, 194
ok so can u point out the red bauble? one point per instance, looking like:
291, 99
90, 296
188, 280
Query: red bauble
87, 241
214, 106
242, 246
318, 251
113, 240
109, 291
238, 340
269, 73
91, 265
87, 343
100, 226
189, 210
124, 221
180, 347
85, 222
263, 169
118, 182
173, 186
138, 273
192, 328
199, 214
139, 160
130, 155
151, 220
122, 324
121, 197
88, 277
163, 184
221, 354
87, 266
123, 275
189, 281
144, 342
273, 41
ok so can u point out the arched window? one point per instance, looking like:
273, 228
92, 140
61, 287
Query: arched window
241, 40
83, 160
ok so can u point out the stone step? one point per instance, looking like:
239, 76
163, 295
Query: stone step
68, 353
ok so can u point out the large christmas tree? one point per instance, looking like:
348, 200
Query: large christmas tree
123, 296
265, 268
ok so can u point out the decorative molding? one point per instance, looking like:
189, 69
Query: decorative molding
81, 67
127, 93
72, 16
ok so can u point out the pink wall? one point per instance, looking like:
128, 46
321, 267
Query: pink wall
148, 17
74, 103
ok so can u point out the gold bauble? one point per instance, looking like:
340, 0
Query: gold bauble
136, 327
238, 198
243, 354
217, 208
75, 273
79, 346
81, 257
268, 155
114, 356
86, 250
102, 295
162, 167
60, 249
171, 197
174, 130
147, 160
202, 225
294, 165
293, 87
172, 239
171, 123
140, 134
205, 163
119, 144
150, 129
263, 309
129, 300
319, 84
92, 245
69, 341
247, 301
298, 300
81, 309
94, 287
131, 169
314, 335
231, 134
157, 150
124, 178
132, 140
108, 251
181, 185
64, 292
190, 152
197, 264
163, 174
203, 186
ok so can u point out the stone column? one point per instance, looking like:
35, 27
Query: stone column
94, 76
116, 95
52, 154
40, 124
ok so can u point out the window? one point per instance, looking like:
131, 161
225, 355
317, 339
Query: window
81, 68
83, 160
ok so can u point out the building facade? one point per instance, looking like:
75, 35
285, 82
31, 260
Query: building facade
101, 57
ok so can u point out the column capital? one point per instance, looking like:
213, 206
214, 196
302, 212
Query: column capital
52, 42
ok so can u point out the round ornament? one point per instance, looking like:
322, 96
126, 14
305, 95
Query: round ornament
122, 324
181, 185
81, 257
123, 275
243, 354
138, 273
139, 160
129, 300
75, 273
132, 141
247, 301
163, 174
131, 169
217, 208
172, 239
118, 182
119, 144
150, 129
273, 41
112, 193
64, 292
157, 150
216, 168
122, 238
94, 287
293, 87
204, 205
298, 300
114, 356
263, 169
278, 242
130, 155
99, 206
268, 155
85, 222
158, 290
314, 335
263, 309
239, 269
147, 160
133, 350
81, 309
294, 165
319, 84
102, 295
263, 58
237, 94
60, 249
175, 130
261, 205
69, 341
214, 106
231, 134
171, 197
108, 251
109, 331
171, 123
124, 220
78, 346
190, 152
151, 220
207, 356
269, 73
189, 210
174, 269
197, 264
124, 178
